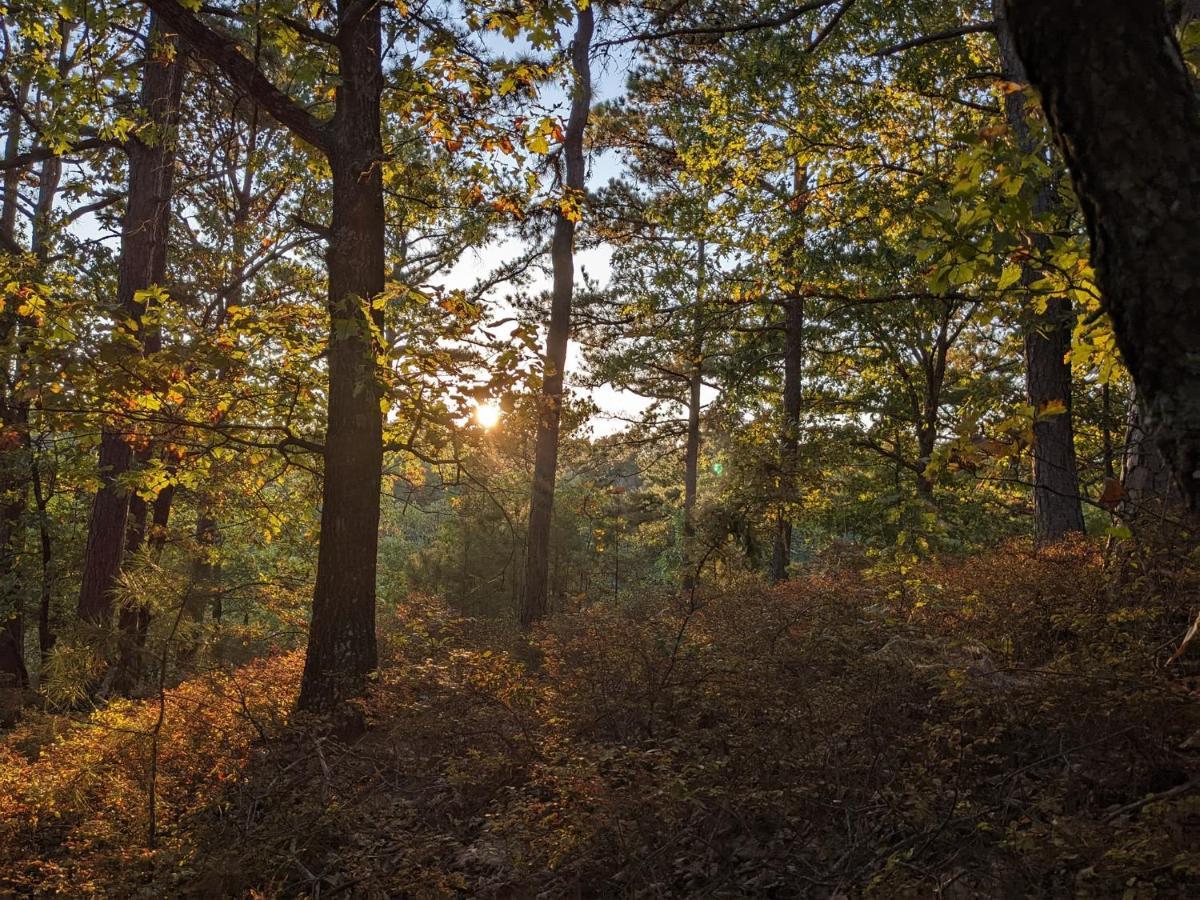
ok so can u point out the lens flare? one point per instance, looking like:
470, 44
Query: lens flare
487, 415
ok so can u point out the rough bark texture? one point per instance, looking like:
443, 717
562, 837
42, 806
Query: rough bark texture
143, 264
1057, 505
1124, 111
341, 642
535, 599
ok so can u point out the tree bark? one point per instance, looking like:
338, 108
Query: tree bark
934, 365
143, 264
1057, 505
14, 432
793, 379
535, 599
341, 642
1124, 111
691, 455
789, 439
1145, 474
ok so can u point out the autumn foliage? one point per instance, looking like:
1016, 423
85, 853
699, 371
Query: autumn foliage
1006, 726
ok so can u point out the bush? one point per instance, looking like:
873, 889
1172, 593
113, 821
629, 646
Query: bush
998, 726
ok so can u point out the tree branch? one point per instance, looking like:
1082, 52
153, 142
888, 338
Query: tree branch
948, 34
717, 30
37, 154
223, 52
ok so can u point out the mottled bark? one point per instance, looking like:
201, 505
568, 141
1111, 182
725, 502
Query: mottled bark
1145, 473
143, 264
1125, 113
1057, 504
535, 599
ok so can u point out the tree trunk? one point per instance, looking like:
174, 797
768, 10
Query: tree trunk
1125, 113
46, 637
1145, 474
931, 405
341, 642
1057, 506
14, 433
789, 440
534, 601
143, 264
691, 455
793, 374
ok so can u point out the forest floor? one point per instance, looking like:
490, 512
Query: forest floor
1003, 726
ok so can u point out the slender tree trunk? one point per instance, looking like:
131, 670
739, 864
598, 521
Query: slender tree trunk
793, 380
341, 643
535, 601
1057, 505
691, 455
927, 427
46, 637
14, 434
789, 440
1125, 113
143, 264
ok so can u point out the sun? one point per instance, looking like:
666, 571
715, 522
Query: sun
487, 414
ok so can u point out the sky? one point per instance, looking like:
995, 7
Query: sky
608, 83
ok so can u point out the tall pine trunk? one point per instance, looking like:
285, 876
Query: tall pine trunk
1125, 113
1057, 505
143, 264
341, 642
535, 599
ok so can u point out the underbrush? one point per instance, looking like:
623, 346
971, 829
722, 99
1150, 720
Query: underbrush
1004, 726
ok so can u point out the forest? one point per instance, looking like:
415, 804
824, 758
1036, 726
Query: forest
600, 448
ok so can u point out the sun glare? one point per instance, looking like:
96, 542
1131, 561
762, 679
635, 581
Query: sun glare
487, 414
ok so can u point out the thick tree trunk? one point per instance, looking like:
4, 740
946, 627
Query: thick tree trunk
691, 452
341, 642
341, 645
1125, 113
535, 600
1057, 505
143, 264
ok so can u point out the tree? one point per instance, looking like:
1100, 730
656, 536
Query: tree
143, 264
1057, 507
535, 599
341, 646
1125, 113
